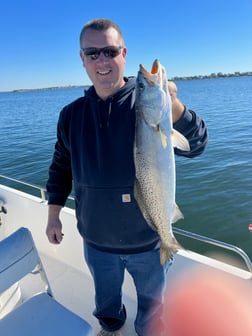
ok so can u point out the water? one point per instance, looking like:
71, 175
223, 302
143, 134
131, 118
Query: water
214, 190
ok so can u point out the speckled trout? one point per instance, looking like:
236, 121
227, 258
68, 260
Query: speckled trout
155, 139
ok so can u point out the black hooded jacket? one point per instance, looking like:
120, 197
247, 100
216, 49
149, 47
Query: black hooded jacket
94, 149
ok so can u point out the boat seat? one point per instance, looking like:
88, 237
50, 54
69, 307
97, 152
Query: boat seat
40, 314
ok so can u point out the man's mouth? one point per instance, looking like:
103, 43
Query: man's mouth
104, 73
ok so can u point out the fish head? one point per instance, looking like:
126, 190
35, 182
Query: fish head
153, 100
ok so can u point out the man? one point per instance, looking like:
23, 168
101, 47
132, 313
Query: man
94, 148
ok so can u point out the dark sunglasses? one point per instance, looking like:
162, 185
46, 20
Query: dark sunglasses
109, 52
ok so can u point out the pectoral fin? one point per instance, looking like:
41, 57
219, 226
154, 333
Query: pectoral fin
179, 141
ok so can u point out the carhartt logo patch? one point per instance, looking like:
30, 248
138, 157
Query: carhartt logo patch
126, 198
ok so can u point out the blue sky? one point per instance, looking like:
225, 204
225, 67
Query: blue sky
40, 38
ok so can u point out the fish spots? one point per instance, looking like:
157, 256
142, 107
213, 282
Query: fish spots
154, 159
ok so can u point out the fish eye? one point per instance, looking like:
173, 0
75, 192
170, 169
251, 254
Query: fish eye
141, 86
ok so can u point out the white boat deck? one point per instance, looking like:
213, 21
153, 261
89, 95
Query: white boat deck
74, 289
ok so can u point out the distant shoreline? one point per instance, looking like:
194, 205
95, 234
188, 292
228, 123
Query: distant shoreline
53, 88
215, 75
176, 78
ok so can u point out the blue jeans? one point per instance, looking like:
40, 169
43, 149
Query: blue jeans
149, 278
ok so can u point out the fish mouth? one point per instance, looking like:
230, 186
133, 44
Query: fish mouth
151, 76
155, 67
154, 70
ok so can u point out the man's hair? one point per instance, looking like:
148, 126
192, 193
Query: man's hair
100, 25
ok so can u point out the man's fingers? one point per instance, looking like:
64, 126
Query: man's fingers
55, 236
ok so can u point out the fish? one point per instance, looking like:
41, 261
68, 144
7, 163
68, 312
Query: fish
154, 159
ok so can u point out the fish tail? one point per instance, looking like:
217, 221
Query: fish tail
168, 250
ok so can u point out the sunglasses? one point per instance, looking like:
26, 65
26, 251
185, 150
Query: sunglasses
94, 53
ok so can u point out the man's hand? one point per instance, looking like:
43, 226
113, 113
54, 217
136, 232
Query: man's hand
172, 87
54, 225
177, 106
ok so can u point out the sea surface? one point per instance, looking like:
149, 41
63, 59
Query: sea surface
214, 190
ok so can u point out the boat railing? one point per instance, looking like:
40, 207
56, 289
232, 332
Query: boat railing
211, 241
20, 185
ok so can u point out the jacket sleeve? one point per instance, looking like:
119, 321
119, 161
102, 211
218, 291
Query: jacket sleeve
59, 184
195, 130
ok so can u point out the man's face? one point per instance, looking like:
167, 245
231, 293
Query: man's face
105, 72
